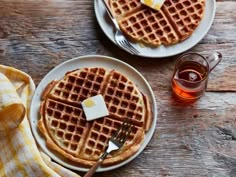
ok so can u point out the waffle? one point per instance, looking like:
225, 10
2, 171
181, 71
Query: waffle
64, 125
185, 16
121, 8
175, 22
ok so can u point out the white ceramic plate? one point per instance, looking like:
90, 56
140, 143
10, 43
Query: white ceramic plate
89, 61
162, 51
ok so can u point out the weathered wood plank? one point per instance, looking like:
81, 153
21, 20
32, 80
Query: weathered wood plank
45, 30
191, 139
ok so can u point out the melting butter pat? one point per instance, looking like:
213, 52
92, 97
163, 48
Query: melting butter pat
94, 107
89, 102
155, 4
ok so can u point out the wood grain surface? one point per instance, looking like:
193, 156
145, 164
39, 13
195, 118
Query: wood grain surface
195, 139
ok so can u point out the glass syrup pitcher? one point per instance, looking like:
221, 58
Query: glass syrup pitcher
190, 76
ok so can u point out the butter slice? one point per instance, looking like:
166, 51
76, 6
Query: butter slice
155, 4
95, 107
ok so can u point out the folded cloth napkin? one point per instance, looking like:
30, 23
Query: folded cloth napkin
19, 154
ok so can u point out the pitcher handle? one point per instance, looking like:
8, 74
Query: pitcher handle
213, 60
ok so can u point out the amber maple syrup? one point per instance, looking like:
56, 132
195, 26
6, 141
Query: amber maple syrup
186, 82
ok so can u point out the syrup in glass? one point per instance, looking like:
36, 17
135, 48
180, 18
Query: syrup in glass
187, 80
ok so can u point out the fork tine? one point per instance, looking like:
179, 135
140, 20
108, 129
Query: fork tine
126, 135
121, 128
131, 47
119, 38
123, 132
124, 46
128, 46
117, 131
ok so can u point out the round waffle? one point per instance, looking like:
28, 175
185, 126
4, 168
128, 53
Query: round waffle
64, 125
175, 22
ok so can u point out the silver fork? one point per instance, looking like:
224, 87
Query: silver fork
115, 143
119, 37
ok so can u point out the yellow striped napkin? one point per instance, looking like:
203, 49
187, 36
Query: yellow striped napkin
19, 154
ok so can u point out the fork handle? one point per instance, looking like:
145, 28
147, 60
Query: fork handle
95, 166
112, 17
105, 3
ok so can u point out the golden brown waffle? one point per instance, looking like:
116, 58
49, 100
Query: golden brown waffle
184, 15
64, 125
121, 8
175, 22
149, 27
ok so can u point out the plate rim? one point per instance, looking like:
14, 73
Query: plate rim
45, 80
202, 34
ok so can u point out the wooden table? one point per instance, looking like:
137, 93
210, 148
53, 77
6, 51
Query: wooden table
190, 139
